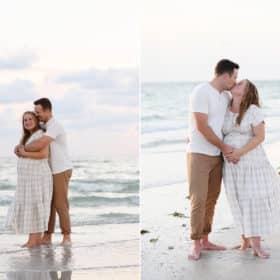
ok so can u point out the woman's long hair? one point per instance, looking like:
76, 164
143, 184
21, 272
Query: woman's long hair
250, 97
26, 133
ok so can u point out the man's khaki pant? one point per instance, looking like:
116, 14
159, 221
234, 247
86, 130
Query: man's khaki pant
205, 176
60, 202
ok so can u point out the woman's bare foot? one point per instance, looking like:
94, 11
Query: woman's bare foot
46, 239
245, 243
261, 253
33, 241
195, 251
32, 244
243, 247
257, 249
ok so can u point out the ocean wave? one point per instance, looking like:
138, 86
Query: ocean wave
109, 218
89, 188
156, 129
159, 184
97, 201
4, 187
153, 117
163, 142
105, 185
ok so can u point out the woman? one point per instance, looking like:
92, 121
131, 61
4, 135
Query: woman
252, 185
30, 210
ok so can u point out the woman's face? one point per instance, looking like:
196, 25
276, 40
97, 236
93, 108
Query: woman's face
29, 122
239, 89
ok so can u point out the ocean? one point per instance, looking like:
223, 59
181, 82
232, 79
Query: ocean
164, 125
101, 191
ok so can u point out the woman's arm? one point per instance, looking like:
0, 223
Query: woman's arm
44, 153
259, 135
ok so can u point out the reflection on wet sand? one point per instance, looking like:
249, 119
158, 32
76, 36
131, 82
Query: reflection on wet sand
44, 263
39, 275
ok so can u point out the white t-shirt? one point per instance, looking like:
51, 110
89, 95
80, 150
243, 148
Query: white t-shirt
59, 158
206, 99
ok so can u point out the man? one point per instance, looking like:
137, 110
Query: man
61, 169
208, 104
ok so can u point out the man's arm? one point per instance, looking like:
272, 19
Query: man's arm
39, 144
34, 155
201, 121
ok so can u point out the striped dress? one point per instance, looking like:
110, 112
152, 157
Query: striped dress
252, 186
30, 210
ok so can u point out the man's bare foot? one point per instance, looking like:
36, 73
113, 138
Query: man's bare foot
24, 245
66, 240
207, 245
195, 252
46, 239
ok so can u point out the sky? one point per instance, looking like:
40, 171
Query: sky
183, 40
84, 56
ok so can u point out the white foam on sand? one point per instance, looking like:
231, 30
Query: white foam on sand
165, 247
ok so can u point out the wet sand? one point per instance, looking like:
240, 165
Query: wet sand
98, 252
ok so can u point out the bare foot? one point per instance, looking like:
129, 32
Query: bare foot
66, 240
243, 246
259, 252
32, 244
207, 245
195, 252
47, 239
24, 245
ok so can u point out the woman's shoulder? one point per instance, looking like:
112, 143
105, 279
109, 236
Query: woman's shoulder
254, 109
256, 114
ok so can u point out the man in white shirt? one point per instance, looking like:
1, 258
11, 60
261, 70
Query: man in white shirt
61, 167
208, 105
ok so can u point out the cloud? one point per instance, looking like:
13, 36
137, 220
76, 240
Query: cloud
102, 79
107, 98
17, 91
98, 118
18, 61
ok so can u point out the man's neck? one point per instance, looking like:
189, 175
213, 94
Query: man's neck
217, 85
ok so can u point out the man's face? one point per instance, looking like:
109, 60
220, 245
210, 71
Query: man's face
42, 115
230, 79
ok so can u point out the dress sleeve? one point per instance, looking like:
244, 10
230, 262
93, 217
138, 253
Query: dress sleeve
257, 116
39, 133
199, 101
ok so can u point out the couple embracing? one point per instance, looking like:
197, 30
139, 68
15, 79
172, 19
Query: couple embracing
43, 174
226, 132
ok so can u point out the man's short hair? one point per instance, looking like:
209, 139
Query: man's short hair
225, 66
45, 103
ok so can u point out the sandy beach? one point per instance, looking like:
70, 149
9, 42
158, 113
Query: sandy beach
93, 255
166, 243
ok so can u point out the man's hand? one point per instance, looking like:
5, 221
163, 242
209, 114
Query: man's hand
234, 156
21, 151
16, 150
226, 149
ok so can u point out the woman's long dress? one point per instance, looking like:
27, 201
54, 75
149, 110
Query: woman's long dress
252, 186
30, 210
